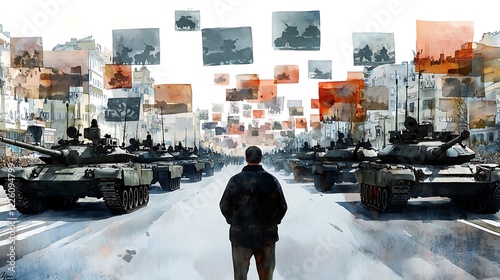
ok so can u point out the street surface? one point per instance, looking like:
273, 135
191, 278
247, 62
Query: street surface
183, 235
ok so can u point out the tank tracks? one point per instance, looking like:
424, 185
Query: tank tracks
324, 182
192, 172
487, 202
163, 175
123, 200
170, 184
25, 204
302, 173
390, 199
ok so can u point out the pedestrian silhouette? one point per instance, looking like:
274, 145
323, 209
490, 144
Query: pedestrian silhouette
253, 205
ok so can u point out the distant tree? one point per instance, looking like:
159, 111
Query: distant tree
316, 134
459, 113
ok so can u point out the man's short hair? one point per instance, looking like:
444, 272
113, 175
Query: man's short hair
253, 154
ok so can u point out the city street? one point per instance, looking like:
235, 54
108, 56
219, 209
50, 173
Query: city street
183, 235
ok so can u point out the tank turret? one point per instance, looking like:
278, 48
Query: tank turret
420, 144
436, 152
75, 152
185, 22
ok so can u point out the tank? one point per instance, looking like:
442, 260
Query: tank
208, 164
219, 161
287, 164
301, 163
420, 162
165, 172
192, 167
209, 161
185, 22
74, 169
339, 163
277, 160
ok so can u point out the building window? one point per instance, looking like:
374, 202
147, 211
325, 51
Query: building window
45, 116
428, 104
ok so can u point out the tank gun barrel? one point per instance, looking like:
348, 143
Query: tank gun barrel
65, 156
42, 150
434, 153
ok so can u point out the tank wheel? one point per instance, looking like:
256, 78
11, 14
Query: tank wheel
298, 174
324, 182
146, 194
387, 199
141, 195
367, 194
384, 200
373, 195
487, 202
362, 192
318, 182
136, 196
125, 202
379, 197
130, 198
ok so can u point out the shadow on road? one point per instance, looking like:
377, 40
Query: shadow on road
415, 210
337, 188
84, 210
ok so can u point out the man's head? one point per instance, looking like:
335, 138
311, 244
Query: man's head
253, 155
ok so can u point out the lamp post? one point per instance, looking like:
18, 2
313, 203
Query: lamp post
397, 93
162, 129
406, 92
418, 95
384, 118
338, 123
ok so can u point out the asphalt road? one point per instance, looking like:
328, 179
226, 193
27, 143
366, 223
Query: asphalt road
182, 235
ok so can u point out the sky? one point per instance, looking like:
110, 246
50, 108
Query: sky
57, 21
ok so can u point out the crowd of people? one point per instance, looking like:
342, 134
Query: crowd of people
9, 161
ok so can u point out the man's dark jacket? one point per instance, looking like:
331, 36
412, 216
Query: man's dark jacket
253, 204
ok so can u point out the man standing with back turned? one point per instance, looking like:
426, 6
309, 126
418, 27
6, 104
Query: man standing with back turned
253, 204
